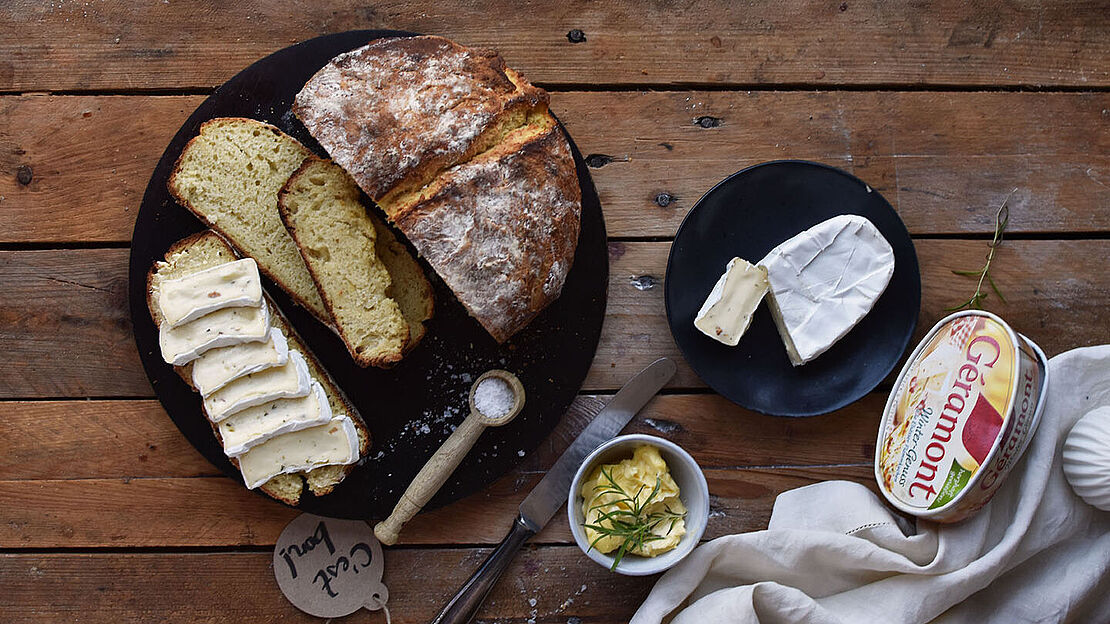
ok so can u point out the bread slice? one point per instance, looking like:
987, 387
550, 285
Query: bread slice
229, 176
205, 250
410, 288
320, 207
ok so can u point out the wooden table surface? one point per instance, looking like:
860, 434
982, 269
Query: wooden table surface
107, 514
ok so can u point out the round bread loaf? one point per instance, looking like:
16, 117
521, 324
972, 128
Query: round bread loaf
465, 159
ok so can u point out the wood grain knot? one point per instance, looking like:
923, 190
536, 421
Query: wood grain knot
664, 426
24, 174
576, 36
643, 282
664, 199
596, 161
705, 121
843, 6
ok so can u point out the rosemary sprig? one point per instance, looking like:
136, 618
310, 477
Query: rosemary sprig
628, 519
1001, 218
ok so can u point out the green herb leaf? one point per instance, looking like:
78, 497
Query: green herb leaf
1001, 220
994, 287
625, 518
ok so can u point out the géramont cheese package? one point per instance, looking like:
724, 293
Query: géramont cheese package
961, 414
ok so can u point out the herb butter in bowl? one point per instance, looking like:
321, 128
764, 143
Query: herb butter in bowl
638, 505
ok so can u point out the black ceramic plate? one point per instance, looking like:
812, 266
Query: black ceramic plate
410, 408
747, 215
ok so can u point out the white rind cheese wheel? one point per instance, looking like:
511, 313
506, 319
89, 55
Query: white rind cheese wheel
824, 281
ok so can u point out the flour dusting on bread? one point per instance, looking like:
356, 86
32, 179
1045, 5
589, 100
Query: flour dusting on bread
464, 157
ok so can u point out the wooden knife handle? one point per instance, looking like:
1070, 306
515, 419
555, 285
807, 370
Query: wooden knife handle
430, 478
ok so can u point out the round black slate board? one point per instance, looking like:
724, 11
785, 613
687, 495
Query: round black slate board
410, 408
747, 215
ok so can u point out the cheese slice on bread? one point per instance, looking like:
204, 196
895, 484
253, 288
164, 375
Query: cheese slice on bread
219, 367
205, 250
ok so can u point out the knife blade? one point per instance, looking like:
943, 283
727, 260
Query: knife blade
551, 492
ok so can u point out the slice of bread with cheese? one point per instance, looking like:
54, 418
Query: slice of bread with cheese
206, 250
321, 208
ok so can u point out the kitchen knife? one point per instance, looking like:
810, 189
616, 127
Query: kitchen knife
551, 492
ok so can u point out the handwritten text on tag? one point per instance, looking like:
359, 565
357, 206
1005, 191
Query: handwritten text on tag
328, 567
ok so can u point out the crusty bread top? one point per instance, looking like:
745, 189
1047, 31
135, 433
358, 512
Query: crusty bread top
320, 207
501, 229
229, 176
395, 112
204, 250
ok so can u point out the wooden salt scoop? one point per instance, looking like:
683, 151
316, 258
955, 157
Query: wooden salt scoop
431, 477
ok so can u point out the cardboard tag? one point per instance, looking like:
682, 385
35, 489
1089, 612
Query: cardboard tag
328, 567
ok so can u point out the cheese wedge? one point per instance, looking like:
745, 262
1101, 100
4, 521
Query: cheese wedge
824, 281
254, 425
219, 367
279, 382
223, 286
728, 309
333, 443
185, 343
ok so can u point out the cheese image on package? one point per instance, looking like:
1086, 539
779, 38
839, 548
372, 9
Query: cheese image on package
727, 311
824, 281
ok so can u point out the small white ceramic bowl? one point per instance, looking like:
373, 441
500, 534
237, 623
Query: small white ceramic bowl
692, 488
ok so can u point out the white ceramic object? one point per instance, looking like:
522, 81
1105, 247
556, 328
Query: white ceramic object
692, 488
1087, 458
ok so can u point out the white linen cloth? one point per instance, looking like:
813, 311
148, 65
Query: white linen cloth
833, 552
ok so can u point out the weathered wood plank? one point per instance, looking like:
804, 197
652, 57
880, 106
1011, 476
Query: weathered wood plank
942, 159
65, 330
94, 439
239, 587
216, 511
118, 45
85, 161
124, 439
1058, 293
96, 481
